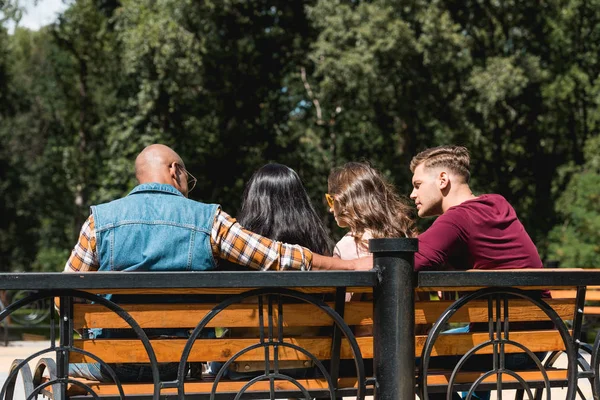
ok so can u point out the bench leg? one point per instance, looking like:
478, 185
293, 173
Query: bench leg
519, 395
539, 393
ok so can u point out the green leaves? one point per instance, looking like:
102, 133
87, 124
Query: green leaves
576, 241
234, 84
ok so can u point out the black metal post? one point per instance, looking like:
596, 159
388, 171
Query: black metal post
394, 318
336, 338
66, 342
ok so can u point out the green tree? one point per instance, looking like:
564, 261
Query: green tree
59, 87
575, 243
515, 82
234, 84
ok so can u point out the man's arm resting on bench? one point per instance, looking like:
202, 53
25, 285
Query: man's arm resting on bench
320, 262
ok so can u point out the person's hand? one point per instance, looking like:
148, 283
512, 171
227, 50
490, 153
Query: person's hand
363, 263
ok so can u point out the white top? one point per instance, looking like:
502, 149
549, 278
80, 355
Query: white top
348, 249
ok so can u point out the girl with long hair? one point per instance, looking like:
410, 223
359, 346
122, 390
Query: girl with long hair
275, 205
362, 200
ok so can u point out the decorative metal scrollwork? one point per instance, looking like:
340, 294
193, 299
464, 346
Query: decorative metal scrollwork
499, 339
59, 381
271, 339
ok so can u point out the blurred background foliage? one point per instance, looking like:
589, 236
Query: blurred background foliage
233, 84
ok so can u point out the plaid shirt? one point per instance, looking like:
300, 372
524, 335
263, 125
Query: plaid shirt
229, 241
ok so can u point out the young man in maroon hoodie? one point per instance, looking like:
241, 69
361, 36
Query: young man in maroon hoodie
471, 232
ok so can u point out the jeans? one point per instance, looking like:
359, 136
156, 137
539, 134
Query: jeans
125, 372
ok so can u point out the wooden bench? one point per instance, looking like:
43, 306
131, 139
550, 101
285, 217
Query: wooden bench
392, 314
296, 316
288, 335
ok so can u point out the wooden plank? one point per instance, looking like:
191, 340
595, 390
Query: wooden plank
169, 350
594, 310
246, 315
221, 290
477, 311
442, 379
474, 288
433, 379
106, 389
235, 316
460, 343
229, 291
590, 295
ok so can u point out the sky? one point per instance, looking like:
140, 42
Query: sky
43, 13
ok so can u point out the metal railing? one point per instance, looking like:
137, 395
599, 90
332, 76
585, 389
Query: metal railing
393, 282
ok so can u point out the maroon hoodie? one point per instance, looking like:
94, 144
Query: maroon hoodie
482, 233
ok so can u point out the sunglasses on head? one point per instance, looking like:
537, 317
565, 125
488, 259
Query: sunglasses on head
329, 199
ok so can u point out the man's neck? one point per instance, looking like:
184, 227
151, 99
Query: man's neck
457, 196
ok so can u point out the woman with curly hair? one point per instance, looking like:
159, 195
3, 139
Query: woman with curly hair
362, 200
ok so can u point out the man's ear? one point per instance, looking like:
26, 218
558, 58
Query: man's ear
443, 180
174, 172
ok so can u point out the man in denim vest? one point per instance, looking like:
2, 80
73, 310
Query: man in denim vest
157, 228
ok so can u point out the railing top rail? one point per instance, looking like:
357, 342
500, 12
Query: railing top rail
547, 277
182, 280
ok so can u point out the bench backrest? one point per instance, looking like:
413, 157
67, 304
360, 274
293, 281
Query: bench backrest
298, 315
306, 326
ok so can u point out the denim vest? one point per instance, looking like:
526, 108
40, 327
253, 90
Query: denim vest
154, 228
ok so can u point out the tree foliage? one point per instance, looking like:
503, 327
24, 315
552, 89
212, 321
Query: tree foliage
233, 84
575, 243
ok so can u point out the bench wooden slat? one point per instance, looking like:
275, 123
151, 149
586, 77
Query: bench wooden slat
106, 389
246, 315
591, 310
590, 295
442, 379
433, 379
359, 289
227, 291
477, 311
460, 343
170, 350
235, 316
474, 288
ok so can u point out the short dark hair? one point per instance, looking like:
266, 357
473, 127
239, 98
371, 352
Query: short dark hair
455, 158
275, 205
